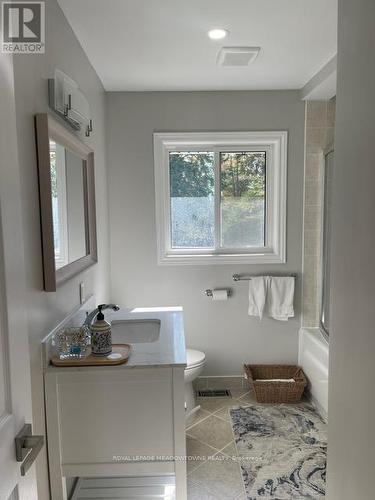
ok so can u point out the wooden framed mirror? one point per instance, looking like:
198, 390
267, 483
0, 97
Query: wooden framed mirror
67, 202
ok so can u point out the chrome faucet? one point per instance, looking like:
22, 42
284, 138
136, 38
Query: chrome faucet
90, 316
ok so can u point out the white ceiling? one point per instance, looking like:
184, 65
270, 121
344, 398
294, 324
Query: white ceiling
163, 44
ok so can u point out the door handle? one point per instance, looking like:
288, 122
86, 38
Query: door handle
27, 447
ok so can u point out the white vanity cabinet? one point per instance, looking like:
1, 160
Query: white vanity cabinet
126, 420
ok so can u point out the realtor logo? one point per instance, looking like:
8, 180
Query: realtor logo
23, 27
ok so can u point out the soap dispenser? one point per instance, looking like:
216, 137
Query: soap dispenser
101, 339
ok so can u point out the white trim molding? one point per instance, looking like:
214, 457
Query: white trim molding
323, 84
275, 144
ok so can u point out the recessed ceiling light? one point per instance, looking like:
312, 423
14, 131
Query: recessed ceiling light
217, 33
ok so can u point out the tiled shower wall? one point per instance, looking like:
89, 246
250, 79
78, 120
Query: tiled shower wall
320, 122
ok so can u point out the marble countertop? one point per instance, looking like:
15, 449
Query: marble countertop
167, 350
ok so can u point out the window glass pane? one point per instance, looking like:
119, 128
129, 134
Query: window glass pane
243, 199
192, 178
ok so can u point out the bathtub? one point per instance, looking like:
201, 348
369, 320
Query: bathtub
313, 352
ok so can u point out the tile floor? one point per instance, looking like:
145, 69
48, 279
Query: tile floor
215, 475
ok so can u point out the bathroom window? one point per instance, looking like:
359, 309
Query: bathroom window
220, 197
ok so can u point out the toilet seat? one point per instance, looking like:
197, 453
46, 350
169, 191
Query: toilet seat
194, 358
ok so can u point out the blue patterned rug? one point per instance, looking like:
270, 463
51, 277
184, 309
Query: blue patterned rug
283, 451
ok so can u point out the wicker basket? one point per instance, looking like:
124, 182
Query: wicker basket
272, 391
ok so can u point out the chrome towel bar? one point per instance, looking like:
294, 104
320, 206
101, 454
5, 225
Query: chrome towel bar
247, 277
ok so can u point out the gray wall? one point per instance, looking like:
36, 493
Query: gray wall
223, 330
45, 310
351, 435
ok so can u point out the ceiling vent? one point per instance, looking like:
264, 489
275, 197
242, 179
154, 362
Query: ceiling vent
237, 56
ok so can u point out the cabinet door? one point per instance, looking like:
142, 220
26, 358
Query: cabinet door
112, 415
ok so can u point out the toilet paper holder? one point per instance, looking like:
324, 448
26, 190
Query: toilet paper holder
209, 291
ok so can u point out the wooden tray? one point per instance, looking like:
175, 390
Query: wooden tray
91, 360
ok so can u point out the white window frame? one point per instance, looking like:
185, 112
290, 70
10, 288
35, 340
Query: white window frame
275, 145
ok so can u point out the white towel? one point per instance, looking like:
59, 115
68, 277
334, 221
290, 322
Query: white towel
281, 297
257, 295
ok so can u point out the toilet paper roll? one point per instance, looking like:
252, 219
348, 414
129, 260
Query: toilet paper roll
219, 294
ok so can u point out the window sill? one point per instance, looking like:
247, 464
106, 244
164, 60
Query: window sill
218, 259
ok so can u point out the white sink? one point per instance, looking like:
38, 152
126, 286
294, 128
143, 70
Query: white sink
135, 331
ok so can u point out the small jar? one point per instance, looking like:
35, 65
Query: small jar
71, 342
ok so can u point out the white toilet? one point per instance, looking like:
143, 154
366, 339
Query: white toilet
195, 363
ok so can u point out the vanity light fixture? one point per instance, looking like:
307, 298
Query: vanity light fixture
68, 101
217, 33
